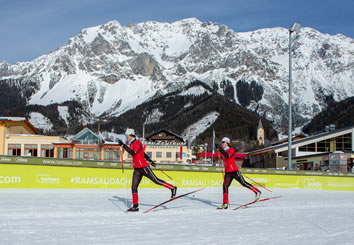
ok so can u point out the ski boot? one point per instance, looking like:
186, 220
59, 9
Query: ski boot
173, 192
224, 206
135, 208
258, 195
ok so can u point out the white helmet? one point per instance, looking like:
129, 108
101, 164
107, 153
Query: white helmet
129, 131
225, 139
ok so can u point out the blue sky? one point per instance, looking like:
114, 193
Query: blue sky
30, 28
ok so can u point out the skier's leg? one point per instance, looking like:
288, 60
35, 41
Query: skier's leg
137, 176
225, 187
149, 174
244, 183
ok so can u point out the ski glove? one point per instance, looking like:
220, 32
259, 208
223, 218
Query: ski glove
120, 142
153, 163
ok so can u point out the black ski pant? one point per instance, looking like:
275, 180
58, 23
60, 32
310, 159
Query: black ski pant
237, 176
147, 172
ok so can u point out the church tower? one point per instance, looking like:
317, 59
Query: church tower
260, 133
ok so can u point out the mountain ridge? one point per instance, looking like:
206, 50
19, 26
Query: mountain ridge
111, 69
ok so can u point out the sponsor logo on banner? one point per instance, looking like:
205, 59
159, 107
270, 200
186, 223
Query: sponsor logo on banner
218, 182
310, 183
21, 160
5, 159
350, 185
104, 181
10, 179
203, 182
194, 182
47, 179
62, 162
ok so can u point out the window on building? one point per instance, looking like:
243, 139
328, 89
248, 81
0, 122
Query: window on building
88, 153
14, 150
168, 154
308, 148
159, 154
111, 154
98, 154
31, 150
87, 138
344, 142
324, 145
47, 150
79, 153
66, 153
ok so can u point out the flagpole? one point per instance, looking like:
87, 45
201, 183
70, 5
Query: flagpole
212, 155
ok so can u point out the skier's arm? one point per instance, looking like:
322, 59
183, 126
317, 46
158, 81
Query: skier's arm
127, 148
147, 157
222, 151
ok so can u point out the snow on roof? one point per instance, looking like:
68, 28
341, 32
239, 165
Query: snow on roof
110, 143
61, 142
12, 118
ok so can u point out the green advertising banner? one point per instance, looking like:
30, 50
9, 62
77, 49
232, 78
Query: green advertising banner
42, 177
163, 166
305, 182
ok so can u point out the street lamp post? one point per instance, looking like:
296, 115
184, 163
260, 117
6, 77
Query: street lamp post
143, 133
294, 28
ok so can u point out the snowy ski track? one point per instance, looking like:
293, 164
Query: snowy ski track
93, 216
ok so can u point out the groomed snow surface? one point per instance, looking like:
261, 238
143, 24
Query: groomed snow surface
79, 216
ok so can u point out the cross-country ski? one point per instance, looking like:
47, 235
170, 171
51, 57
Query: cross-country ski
256, 201
172, 199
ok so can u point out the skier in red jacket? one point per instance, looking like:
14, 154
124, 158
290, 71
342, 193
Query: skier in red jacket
232, 172
141, 168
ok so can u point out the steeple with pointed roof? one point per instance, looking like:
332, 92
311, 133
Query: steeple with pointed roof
260, 133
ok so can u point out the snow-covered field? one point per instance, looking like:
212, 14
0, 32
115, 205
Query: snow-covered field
96, 217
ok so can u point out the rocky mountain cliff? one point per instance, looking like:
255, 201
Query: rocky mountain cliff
192, 112
340, 114
111, 69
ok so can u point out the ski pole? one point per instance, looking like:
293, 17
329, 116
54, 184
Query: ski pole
154, 165
165, 173
259, 184
121, 158
168, 176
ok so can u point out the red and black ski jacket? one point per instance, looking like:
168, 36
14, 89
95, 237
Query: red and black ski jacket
229, 159
136, 150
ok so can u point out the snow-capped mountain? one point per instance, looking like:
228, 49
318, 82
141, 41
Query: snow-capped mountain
110, 69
